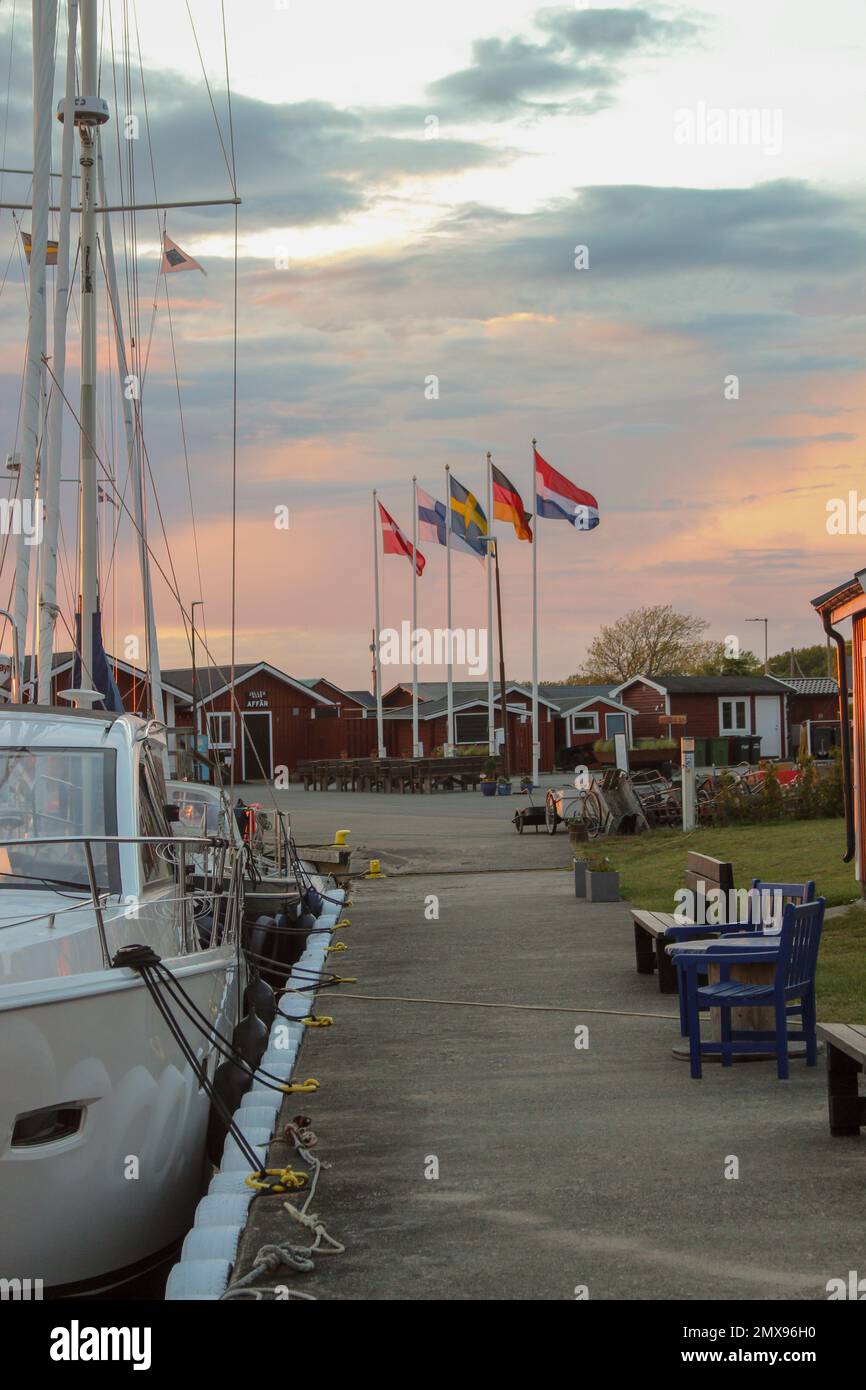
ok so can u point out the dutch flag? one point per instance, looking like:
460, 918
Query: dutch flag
557, 499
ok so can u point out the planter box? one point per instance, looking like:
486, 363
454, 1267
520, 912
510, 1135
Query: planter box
503, 789
488, 788
602, 886
638, 757
580, 878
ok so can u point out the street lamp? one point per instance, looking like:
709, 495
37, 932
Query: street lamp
765, 621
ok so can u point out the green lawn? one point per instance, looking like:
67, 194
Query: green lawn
651, 866
651, 869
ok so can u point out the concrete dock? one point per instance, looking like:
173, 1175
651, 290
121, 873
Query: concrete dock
495, 1153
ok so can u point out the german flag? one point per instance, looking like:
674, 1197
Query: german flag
508, 505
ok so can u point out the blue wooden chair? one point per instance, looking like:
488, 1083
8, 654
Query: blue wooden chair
792, 991
759, 890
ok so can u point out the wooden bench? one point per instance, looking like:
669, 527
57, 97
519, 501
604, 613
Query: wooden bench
846, 1059
654, 931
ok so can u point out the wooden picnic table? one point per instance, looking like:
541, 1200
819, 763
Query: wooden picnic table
392, 774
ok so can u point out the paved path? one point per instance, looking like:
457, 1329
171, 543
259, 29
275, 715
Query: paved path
557, 1167
448, 830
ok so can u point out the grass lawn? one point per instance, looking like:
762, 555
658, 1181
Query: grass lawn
651, 869
651, 866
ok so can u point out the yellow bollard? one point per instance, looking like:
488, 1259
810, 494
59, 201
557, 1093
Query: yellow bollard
375, 870
340, 837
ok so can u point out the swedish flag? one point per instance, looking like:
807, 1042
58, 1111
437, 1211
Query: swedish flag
467, 519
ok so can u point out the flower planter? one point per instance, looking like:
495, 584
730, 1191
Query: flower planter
637, 757
580, 878
488, 788
602, 886
504, 789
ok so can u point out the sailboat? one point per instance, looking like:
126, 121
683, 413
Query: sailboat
103, 1113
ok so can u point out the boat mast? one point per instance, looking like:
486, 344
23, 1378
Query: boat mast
132, 430
91, 112
51, 453
44, 26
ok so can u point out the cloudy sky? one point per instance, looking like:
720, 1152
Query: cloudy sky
415, 180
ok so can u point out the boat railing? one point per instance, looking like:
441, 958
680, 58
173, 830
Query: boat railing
218, 893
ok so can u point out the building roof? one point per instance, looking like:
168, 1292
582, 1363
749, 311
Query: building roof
580, 702
466, 694
566, 689
710, 685
812, 685
361, 697
63, 661
214, 680
208, 679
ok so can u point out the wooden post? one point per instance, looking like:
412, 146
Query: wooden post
502, 697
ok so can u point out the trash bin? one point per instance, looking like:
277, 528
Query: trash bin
701, 754
738, 749
754, 745
718, 751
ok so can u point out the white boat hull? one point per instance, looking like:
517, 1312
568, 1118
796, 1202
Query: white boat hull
125, 1185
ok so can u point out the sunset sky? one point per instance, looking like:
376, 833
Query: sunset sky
373, 256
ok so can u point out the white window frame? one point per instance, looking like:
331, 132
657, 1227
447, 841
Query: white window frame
212, 716
585, 714
733, 701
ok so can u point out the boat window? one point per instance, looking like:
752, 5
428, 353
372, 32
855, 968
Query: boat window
57, 793
200, 814
151, 820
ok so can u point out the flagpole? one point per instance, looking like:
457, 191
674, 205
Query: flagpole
377, 661
449, 746
502, 699
416, 742
535, 744
491, 720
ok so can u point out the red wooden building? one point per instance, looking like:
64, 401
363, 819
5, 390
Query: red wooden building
715, 707
470, 720
813, 710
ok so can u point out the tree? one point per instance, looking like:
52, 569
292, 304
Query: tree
808, 661
650, 641
712, 660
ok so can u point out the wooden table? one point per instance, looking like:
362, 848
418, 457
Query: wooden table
749, 1019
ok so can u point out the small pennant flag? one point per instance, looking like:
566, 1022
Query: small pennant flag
173, 258
394, 542
50, 249
103, 496
558, 499
508, 505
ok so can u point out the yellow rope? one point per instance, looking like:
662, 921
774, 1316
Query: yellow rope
289, 1180
323, 1021
301, 1087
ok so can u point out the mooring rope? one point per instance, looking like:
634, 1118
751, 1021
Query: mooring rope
490, 1004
